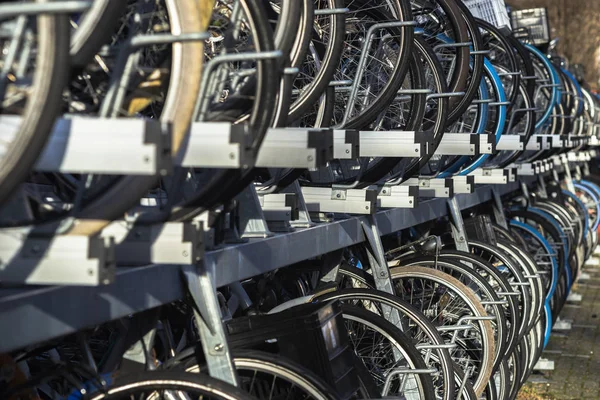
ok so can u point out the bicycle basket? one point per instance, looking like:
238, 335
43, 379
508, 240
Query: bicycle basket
492, 11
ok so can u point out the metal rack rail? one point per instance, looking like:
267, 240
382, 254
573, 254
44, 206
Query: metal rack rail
39, 314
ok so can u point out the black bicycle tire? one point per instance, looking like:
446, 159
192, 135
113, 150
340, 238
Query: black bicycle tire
190, 364
476, 68
329, 61
99, 22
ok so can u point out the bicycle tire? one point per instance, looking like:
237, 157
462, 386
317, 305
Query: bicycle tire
275, 365
121, 387
44, 103
98, 23
331, 56
476, 64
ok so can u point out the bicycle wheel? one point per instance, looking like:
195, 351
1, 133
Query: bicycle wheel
159, 384
383, 349
317, 72
515, 276
265, 376
447, 301
34, 74
412, 323
500, 285
471, 279
379, 63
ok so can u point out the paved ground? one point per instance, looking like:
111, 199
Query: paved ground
576, 353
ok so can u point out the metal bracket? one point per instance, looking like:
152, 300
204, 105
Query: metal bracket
207, 316
432, 187
511, 143
459, 144
303, 218
391, 144
379, 266
345, 144
498, 209
463, 184
457, 225
487, 144
251, 219
398, 196
166, 243
492, 176
345, 201
534, 143
26, 258
215, 145
279, 210
87, 145
295, 148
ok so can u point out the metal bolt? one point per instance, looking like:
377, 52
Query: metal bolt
384, 191
366, 207
184, 253
309, 158
219, 347
36, 249
410, 202
416, 150
90, 272
382, 274
146, 159
461, 238
232, 156
338, 195
347, 151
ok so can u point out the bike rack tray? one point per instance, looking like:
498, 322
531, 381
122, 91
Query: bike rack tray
399, 196
534, 143
344, 201
215, 145
85, 145
459, 144
432, 187
493, 176
26, 258
511, 143
463, 184
391, 144
279, 210
167, 243
295, 148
